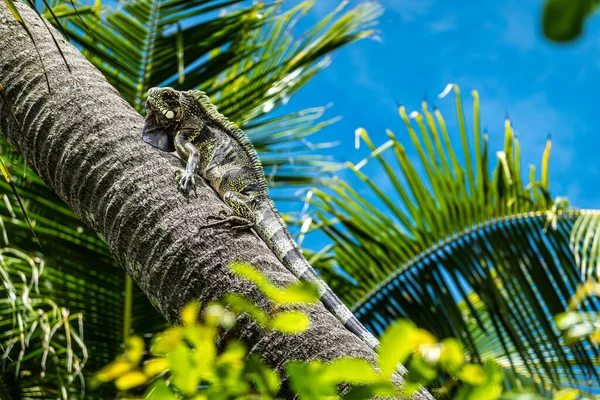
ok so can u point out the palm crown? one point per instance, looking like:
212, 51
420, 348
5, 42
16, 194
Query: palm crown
471, 251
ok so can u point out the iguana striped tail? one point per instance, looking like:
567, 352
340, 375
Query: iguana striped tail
273, 231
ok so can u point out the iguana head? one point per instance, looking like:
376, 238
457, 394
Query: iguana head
165, 111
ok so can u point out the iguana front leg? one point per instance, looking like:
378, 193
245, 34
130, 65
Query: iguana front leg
189, 154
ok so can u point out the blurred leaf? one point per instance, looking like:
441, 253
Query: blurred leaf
398, 342
452, 356
183, 369
189, 313
266, 380
567, 394
167, 341
202, 338
472, 374
155, 366
566, 320
302, 384
134, 349
378, 390
216, 315
250, 273
350, 370
160, 391
319, 380
289, 322
419, 375
114, 370
242, 305
297, 293
521, 396
563, 19
130, 380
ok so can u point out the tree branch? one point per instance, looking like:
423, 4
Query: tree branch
84, 140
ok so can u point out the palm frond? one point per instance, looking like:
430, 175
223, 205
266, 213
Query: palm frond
17, 16
467, 248
80, 274
189, 45
247, 61
41, 342
585, 244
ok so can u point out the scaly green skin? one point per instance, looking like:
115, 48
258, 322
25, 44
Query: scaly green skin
221, 153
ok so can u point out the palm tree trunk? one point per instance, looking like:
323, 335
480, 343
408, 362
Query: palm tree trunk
84, 140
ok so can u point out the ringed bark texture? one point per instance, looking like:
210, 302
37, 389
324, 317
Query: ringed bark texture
84, 140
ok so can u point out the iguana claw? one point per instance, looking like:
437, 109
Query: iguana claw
238, 223
185, 177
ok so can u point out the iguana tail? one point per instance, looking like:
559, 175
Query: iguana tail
273, 231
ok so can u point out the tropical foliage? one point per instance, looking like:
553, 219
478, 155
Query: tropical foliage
250, 63
188, 354
33, 325
185, 362
246, 60
462, 244
467, 249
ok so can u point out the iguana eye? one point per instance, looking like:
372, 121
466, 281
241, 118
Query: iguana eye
169, 95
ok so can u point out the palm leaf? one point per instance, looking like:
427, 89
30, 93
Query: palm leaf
462, 250
136, 46
15, 13
246, 60
585, 245
79, 273
38, 338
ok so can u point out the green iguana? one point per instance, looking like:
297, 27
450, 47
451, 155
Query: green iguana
218, 151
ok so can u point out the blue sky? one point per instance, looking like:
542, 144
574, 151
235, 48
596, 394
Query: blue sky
494, 47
